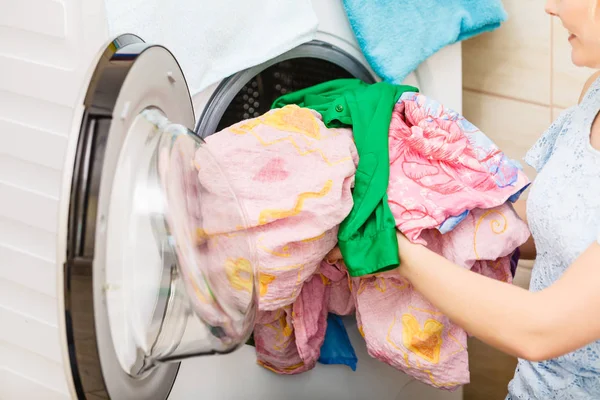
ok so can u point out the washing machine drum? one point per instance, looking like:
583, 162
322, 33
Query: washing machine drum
147, 280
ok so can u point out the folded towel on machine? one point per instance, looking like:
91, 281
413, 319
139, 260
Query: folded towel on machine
214, 39
396, 36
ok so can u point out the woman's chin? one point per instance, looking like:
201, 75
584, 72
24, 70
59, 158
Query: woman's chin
577, 59
582, 59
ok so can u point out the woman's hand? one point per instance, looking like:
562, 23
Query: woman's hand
409, 253
334, 256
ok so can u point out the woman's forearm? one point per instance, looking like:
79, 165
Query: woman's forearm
504, 316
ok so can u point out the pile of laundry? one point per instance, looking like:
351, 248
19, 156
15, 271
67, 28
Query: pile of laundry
346, 163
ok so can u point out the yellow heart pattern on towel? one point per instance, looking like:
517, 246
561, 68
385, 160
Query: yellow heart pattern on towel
425, 343
239, 274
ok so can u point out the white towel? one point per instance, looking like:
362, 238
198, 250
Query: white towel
213, 39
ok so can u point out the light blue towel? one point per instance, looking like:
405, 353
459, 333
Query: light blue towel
398, 35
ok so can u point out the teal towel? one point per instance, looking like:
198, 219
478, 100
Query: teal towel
398, 35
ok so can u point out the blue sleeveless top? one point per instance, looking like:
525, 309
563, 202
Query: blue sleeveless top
563, 210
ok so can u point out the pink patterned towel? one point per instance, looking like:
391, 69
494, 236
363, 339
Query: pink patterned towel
442, 166
294, 177
341, 301
288, 341
483, 235
402, 329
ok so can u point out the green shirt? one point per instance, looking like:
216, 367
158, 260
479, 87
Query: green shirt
367, 237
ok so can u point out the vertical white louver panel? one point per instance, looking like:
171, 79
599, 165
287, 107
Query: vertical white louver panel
46, 48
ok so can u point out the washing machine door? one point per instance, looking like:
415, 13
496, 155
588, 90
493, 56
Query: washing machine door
147, 281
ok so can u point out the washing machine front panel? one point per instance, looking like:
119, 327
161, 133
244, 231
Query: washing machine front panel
40, 111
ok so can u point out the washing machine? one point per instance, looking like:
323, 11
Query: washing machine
96, 293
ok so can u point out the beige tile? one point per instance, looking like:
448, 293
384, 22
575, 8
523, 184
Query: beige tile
526, 264
515, 59
556, 112
491, 371
513, 125
523, 275
567, 79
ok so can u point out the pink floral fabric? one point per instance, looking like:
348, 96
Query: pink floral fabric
442, 166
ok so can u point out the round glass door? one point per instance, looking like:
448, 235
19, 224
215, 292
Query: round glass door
158, 264
180, 279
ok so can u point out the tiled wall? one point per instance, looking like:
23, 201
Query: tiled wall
517, 79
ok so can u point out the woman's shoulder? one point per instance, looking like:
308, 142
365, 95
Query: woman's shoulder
588, 84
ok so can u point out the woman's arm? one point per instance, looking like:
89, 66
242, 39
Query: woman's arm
534, 326
528, 248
